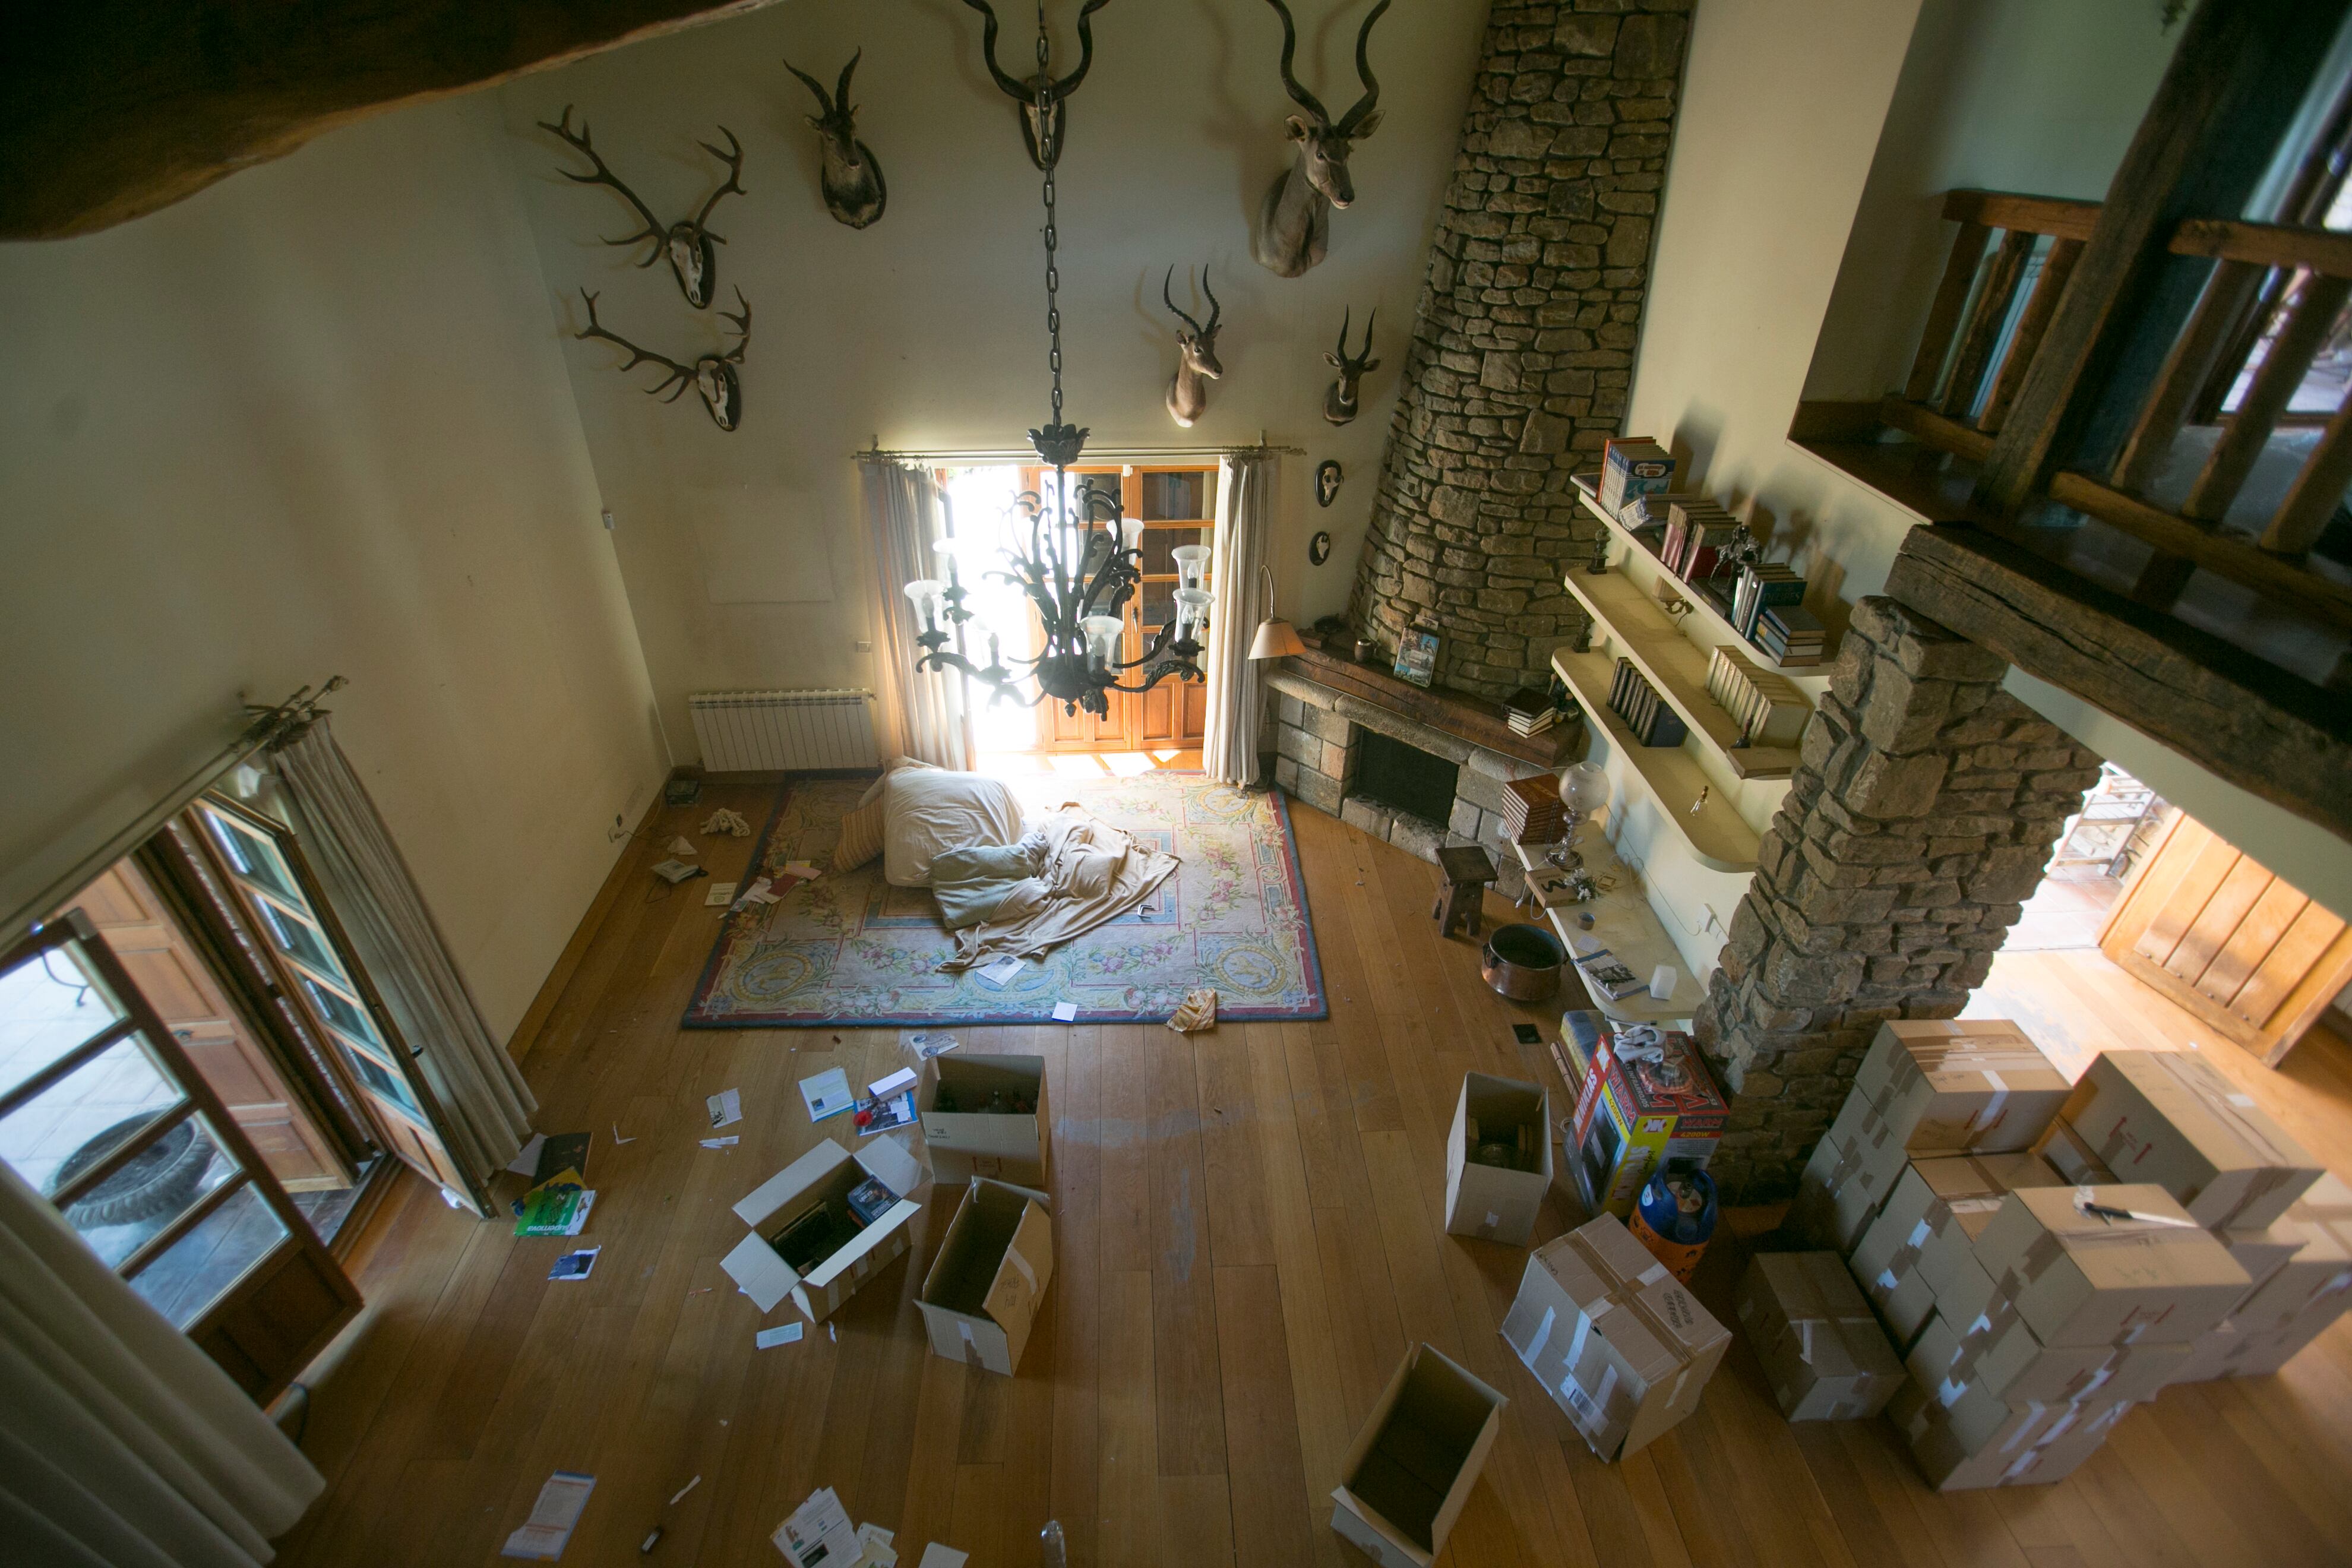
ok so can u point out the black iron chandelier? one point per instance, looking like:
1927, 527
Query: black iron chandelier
1083, 560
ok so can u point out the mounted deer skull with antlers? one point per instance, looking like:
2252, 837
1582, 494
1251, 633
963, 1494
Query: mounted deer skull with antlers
713, 374
1196, 355
1339, 404
851, 181
687, 242
1294, 226
1043, 140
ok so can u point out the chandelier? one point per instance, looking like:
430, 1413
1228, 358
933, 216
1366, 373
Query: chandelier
1082, 561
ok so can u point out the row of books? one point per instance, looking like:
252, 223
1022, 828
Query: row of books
1762, 584
1645, 713
1792, 634
1698, 538
1768, 710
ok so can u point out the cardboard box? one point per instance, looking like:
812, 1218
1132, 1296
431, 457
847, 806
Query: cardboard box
972, 1141
1822, 1352
2171, 1117
1852, 1171
1924, 1233
1612, 1337
2065, 1150
2082, 1279
2271, 1349
988, 1283
1974, 1443
2317, 1264
1635, 1114
1497, 1202
1993, 1348
1405, 1479
814, 1191
1958, 1085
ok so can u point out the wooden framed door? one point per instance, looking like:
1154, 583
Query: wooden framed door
2215, 931
103, 1114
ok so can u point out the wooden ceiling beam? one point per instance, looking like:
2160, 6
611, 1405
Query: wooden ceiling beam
112, 108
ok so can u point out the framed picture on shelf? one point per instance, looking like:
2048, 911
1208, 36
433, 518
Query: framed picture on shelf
1416, 656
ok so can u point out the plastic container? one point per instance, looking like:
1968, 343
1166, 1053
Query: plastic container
1675, 1217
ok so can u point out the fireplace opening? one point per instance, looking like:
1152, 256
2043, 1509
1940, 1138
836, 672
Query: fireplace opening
1404, 778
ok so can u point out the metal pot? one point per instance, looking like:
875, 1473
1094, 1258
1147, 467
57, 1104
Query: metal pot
1365, 648
1522, 963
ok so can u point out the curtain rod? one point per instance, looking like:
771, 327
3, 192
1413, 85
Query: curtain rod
877, 454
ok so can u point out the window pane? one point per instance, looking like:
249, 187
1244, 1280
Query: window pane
384, 1082
1183, 495
85, 1115
297, 939
194, 1270
338, 1011
251, 855
48, 1006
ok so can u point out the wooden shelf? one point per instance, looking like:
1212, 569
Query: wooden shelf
1717, 836
1623, 922
1676, 666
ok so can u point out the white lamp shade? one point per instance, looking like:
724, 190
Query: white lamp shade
1584, 787
1275, 639
1102, 636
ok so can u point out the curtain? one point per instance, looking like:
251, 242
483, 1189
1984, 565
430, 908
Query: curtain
122, 1445
923, 713
486, 1108
1246, 502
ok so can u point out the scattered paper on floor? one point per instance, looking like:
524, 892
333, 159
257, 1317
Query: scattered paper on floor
819, 1534
827, 1094
1066, 1012
721, 893
768, 1339
726, 1107
727, 1142
560, 1502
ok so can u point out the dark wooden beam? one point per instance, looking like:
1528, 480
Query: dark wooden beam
113, 108
2275, 736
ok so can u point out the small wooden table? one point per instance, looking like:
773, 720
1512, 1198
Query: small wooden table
1467, 871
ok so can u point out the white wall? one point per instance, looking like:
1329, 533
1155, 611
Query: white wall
927, 329
314, 422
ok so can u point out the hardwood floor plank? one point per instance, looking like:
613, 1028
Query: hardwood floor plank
1191, 1402
1130, 1532
1075, 1367
1267, 1475
1236, 1186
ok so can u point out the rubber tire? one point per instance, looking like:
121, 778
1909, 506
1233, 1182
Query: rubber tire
158, 1181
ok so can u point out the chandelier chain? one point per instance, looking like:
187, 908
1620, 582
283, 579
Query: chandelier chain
1049, 153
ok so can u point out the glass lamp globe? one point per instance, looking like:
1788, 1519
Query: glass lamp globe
1584, 787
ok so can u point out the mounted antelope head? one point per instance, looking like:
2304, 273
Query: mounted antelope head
686, 243
1294, 226
851, 181
713, 376
1196, 355
1043, 140
1339, 404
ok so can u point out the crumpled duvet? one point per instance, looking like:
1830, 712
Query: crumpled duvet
1066, 876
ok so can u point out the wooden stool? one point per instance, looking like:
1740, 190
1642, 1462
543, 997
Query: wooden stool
1467, 869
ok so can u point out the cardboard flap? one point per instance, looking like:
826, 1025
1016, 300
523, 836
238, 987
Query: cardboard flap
888, 1161
765, 1277
1021, 1279
867, 1240
788, 1184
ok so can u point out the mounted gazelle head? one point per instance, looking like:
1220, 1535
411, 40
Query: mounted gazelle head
1196, 354
1339, 404
1044, 139
712, 375
851, 180
686, 243
1294, 225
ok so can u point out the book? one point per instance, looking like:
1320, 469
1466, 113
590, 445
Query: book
1526, 699
1602, 971
560, 1153
554, 1210
1630, 467
1791, 635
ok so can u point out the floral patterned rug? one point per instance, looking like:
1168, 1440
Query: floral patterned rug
853, 950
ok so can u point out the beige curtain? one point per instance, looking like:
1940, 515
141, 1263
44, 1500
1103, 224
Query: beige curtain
122, 1445
923, 714
485, 1108
1246, 502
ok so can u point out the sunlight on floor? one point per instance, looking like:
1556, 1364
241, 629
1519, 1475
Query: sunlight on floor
1084, 764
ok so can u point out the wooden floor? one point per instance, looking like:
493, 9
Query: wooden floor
1247, 1237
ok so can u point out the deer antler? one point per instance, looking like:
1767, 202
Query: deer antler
1366, 104
1362, 361
1020, 90
1068, 84
841, 93
1198, 329
603, 175
1012, 88
1216, 311
1305, 100
742, 328
680, 377
824, 104
734, 162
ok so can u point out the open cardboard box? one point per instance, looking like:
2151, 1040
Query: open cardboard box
1493, 1200
814, 1191
971, 1140
988, 1283
1406, 1480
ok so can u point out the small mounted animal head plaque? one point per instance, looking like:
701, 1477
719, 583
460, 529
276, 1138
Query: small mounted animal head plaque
851, 181
1196, 355
1328, 475
686, 244
1319, 549
1043, 135
713, 376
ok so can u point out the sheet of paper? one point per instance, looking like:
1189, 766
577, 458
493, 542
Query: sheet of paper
721, 893
1066, 1012
879, 1553
527, 1163
803, 870
681, 846
574, 1264
1001, 971
928, 1046
819, 1532
827, 1094
727, 1142
938, 1556
768, 1339
726, 1107
560, 1502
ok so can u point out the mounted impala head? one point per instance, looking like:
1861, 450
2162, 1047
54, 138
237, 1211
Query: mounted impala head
1043, 140
851, 180
1294, 226
686, 243
1196, 355
712, 375
1339, 404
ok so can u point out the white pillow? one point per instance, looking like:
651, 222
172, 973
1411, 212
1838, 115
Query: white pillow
928, 811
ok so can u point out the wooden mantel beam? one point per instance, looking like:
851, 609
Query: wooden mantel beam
110, 108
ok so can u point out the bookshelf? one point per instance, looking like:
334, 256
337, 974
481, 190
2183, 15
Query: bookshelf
1623, 922
1717, 836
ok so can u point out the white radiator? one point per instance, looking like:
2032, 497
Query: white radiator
783, 732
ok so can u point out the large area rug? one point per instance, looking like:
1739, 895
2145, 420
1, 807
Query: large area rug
853, 950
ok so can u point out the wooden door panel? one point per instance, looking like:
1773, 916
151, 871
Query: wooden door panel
2208, 861
279, 1317
2303, 948
2249, 946
2227, 909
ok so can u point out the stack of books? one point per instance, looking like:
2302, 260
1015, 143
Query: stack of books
1631, 468
1768, 710
1603, 972
1762, 584
1530, 711
1791, 634
1644, 711
1697, 532
1650, 511
1533, 811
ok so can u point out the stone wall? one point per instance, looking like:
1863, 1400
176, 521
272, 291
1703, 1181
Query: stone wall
1523, 348
1919, 819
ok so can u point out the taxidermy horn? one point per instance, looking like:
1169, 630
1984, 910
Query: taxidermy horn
854, 191
713, 376
1294, 224
1196, 354
1043, 138
1340, 403
686, 243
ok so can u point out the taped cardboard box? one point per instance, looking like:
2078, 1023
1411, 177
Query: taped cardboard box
1497, 1159
967, 1137
2083, 1278
1973, 1443
2271, 1349
1612, 1338
2065, 1150
1405, 1479
1847, 1180
1922, 1236
2317, 1265
1822, 1352
987, 1284
2173, 1119
1958, 1085
1993, 1348
1637, 1109
824, 1225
